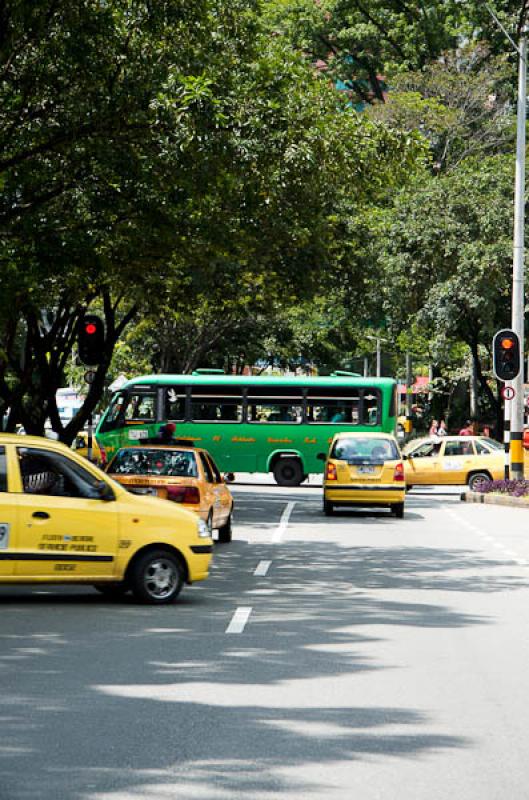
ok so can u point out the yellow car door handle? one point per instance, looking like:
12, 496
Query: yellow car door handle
40, 515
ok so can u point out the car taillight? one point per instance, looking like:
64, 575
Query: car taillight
183, 494
331, 474
103, 455
398, 475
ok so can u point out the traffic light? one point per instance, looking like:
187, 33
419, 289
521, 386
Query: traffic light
91, 339
506, 355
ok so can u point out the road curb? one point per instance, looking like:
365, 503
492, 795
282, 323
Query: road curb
494, 499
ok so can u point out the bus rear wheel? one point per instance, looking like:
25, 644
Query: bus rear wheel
288, 472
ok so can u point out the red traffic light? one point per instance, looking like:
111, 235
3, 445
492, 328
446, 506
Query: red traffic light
91, 340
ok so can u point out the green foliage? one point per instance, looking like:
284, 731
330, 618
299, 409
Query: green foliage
169, 161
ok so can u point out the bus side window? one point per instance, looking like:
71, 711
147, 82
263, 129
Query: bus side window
216, 410
141, 407
326, 410
175, 405
371, 406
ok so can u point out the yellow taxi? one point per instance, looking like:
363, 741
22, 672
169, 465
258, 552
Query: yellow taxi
63, 520
451, 460
185, 475
363, 469
80, 445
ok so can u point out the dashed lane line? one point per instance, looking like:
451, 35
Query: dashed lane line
262, 568
239, 619
283, 523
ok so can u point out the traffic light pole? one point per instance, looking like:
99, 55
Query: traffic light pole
90, 437
518, 300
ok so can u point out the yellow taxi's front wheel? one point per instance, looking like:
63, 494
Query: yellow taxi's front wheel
157, 577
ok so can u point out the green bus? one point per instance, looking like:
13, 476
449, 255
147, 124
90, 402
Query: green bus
251, 424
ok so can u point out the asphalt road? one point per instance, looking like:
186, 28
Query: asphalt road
355, 657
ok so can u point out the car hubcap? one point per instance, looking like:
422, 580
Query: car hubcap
161, 578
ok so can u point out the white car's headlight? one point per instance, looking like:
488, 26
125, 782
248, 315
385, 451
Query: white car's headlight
203, 530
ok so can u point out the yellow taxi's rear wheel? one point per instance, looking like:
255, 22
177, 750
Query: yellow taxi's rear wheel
328, 508
398, 510
157, 577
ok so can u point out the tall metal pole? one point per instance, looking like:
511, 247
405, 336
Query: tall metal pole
366, 367
409, 381
518, 300
379, 359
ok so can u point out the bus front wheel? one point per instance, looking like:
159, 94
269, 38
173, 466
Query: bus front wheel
288, 472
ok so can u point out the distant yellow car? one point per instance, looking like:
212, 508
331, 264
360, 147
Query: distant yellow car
185, 475
62, 520
363, 469
452, 460
80, 445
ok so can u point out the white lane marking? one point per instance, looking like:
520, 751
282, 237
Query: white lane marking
487, 537
283, 523
262, 568
239, 619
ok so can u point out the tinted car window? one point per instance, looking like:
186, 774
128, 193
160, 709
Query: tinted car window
483, 449
147, 461
426, 449
365, 450
47, 473
459, 449
207, 469
216, 474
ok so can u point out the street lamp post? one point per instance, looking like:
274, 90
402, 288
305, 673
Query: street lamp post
378, 339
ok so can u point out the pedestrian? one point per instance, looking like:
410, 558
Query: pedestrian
467, 430
441, 430
433, 428
166, 433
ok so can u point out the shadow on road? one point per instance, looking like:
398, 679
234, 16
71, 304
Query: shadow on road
113, 699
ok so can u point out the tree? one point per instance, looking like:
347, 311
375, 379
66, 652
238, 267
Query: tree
446, 260
462, 103
156, 157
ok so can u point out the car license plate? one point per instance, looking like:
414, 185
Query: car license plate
366, 470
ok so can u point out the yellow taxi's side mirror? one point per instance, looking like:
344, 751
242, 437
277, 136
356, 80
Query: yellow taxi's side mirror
104, 492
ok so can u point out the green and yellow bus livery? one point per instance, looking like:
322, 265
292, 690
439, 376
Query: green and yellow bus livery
250, 424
